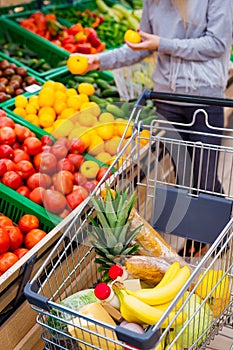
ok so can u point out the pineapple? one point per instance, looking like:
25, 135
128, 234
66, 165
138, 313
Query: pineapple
112, 234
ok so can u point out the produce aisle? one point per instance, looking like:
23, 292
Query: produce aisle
59, 135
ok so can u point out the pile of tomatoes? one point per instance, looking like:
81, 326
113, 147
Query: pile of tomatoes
42, 170
17, 240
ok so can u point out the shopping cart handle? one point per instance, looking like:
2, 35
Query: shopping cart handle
30, 292
194, 99
142, 341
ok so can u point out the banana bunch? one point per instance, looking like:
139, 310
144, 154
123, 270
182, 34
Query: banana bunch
146, 306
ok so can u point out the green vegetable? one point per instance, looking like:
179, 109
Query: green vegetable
111, 92
111, 108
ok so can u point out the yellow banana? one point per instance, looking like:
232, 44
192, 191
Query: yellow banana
161, 295
169, 274
142, 313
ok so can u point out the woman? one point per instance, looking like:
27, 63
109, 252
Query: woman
193, 40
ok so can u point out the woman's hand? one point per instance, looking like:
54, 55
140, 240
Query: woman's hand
93, 61
149, 42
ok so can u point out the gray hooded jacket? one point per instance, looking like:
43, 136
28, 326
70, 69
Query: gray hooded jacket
192, 60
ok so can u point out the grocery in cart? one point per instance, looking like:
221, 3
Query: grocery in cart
147, 262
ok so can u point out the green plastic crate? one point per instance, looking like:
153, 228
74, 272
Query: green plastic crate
43, 49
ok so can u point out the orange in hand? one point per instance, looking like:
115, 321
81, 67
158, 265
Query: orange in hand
77, 64
132, 36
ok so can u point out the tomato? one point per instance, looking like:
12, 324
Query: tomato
7, 135
45, 162
32, 145
19, 155
79, 179
10, 165
76, 197
12, 179
65, 164
4, 241
77, 146
3, 167
101, 173
28, 222
7, 260
6, 151
25, 169
63, 183
59, 150
90, 185
5, 221
64, 141
16, 145
15, 235
38, 180
76, 159
2, 113
46, 140
22, 132
20, 252
64, 213
37, 195
6, 121
54, 201
24, 191
33, 237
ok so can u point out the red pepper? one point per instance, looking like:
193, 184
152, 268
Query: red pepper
84, 48
28, 24
68, 40
69, 47
50, 17
75, 28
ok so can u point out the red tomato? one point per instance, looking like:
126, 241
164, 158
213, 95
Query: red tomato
101, 173
6, 121
28, 222
33, 237
59, 150
25, 169
65, 164
6, 151
32, 145
4, 241
38, 180
22, 132
90, 185
20, 252
64, 141
37, 195
77, 146
5, 221
76, 159
16, 145
46, 140
12, 179
20, 154
3, 167
76, 197
7, 135
63, 183
2, 113
10, 165
15, 235
7, 260
54, 201
64, 213
45, 162
79, 179
24, 191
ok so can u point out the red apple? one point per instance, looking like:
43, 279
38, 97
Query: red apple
77, 146
101, 173
79, 179
76, 159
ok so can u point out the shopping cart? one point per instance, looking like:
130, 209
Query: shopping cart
187, 216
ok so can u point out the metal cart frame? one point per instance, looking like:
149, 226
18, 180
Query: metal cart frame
70, 267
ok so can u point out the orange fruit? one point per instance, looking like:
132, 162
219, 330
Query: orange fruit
132, 36
86, 88
77, 64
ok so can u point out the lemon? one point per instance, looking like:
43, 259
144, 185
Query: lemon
106, 117
71, 92
63, 129
30, 109
47, 110
74, 101
67, 113
60, 96
59, 86
49, 84
20, 111
21, 101
86, 88
77, 64
92, 107
46, 120
105, 131
132, 36
84, 97
46, 97
59, 106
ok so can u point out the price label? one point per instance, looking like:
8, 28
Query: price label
33, 88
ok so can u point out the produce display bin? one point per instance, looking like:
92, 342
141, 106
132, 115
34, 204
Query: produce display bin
13, 33
191, 213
